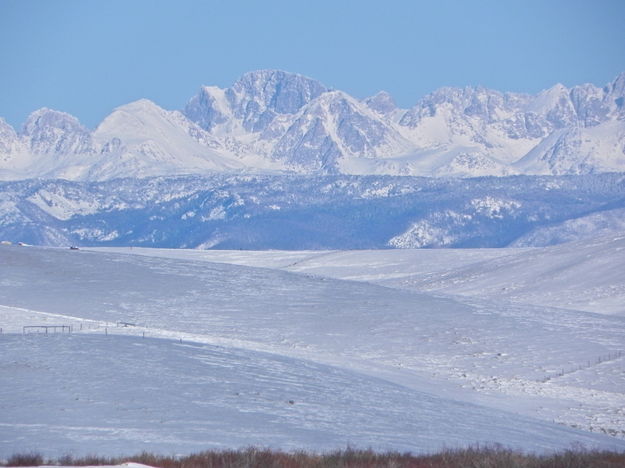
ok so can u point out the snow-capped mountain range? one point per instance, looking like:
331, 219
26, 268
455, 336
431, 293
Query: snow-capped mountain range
275, 122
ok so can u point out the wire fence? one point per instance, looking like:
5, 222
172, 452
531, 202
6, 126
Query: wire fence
46, 329
123, 328
587, 365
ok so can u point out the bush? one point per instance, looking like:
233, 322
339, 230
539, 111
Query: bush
25, 459
477, 457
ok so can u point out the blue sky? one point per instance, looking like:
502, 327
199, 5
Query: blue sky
86, 57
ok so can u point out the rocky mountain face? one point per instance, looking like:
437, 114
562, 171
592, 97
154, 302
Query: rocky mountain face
10, 142
52, 132
271, 121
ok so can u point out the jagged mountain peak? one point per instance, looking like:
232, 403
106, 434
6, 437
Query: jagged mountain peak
616, 94
208, 107
550, 95
617, 87
257, 97
333, 130
556, 105
381, 102
50, 131
464, 99
255, 100
460, 103
460, 95
335, 95
272, 80
5, 127
557, 88
46, 117
9, 139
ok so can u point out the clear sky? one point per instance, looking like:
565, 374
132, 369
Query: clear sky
87, 57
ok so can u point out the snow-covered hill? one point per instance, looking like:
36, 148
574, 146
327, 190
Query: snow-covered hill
583, 275
306, 212
587, 275
177, 355
176, 398
271, 120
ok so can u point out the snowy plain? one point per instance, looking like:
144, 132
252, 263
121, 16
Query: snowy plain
176, 351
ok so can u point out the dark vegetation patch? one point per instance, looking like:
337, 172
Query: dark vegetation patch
263, 458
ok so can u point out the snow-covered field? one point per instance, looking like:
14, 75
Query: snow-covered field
177, 351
